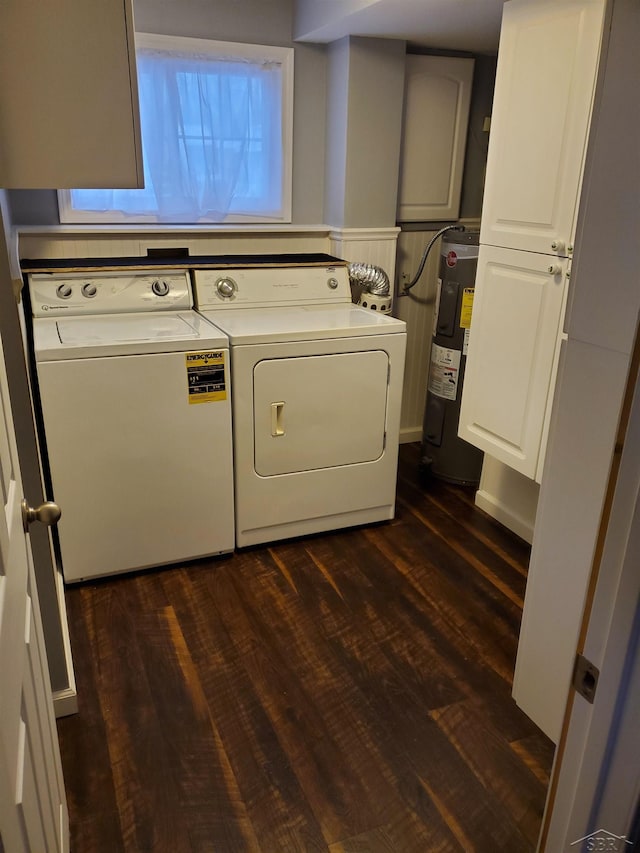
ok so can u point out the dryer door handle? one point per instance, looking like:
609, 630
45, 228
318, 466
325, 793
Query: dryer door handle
277, 419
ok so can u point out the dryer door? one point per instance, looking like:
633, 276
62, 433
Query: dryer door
319, 411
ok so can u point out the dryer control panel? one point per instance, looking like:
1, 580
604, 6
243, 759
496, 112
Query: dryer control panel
265, 287
114, 292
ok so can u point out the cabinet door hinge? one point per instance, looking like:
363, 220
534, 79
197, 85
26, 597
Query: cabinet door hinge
585, 678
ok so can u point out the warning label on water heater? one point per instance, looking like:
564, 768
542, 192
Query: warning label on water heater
444, 371
205, 376
466, 308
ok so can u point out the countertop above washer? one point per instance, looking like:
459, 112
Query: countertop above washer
178, 261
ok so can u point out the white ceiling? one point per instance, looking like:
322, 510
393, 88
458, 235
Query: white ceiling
469, 25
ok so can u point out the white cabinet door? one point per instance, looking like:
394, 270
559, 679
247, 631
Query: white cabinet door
517, 315
547, 63
436, 114
68, 95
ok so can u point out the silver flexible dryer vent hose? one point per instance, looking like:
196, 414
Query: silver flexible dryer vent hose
373, 279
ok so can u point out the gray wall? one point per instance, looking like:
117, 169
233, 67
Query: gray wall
365, 91
261, 22
345, 170
475, 161
338, 109
252, 21
33, 207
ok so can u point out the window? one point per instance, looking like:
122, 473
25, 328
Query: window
216, 122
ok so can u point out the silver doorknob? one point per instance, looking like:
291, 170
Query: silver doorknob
47, 513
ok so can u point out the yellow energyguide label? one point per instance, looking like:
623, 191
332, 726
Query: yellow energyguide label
206, 376
466, 308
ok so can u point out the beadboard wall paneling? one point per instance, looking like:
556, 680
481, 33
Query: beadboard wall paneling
76, 243
375, 246
416, 309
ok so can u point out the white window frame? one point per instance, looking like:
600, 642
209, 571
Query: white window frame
220, 50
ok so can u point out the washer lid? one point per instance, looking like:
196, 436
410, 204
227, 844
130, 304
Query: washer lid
126, 327
60, 338
302, 323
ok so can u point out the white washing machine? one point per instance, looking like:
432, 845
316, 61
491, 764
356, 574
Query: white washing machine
134, 390
317, 387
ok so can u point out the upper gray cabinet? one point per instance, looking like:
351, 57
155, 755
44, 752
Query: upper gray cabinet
69, 113
436, 115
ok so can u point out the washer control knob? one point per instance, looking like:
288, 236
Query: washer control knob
333, 283
64, 290
89, 290
160, 287
226, 287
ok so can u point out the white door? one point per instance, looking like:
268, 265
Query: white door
305, 410
517, 315
33, 811
547, 64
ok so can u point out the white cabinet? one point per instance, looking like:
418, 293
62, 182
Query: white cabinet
547, 67
436, 115
517, 315
68, 95
547, 63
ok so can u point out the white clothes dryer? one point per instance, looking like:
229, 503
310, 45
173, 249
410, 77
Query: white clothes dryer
317, 387
134, 391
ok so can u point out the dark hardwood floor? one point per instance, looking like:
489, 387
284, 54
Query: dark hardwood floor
347, 692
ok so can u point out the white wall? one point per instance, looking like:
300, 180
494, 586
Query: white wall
509, 497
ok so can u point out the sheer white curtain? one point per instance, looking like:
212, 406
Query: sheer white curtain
212, 140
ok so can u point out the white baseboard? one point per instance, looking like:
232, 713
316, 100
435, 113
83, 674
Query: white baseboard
65, 702
408, 434
496, 509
